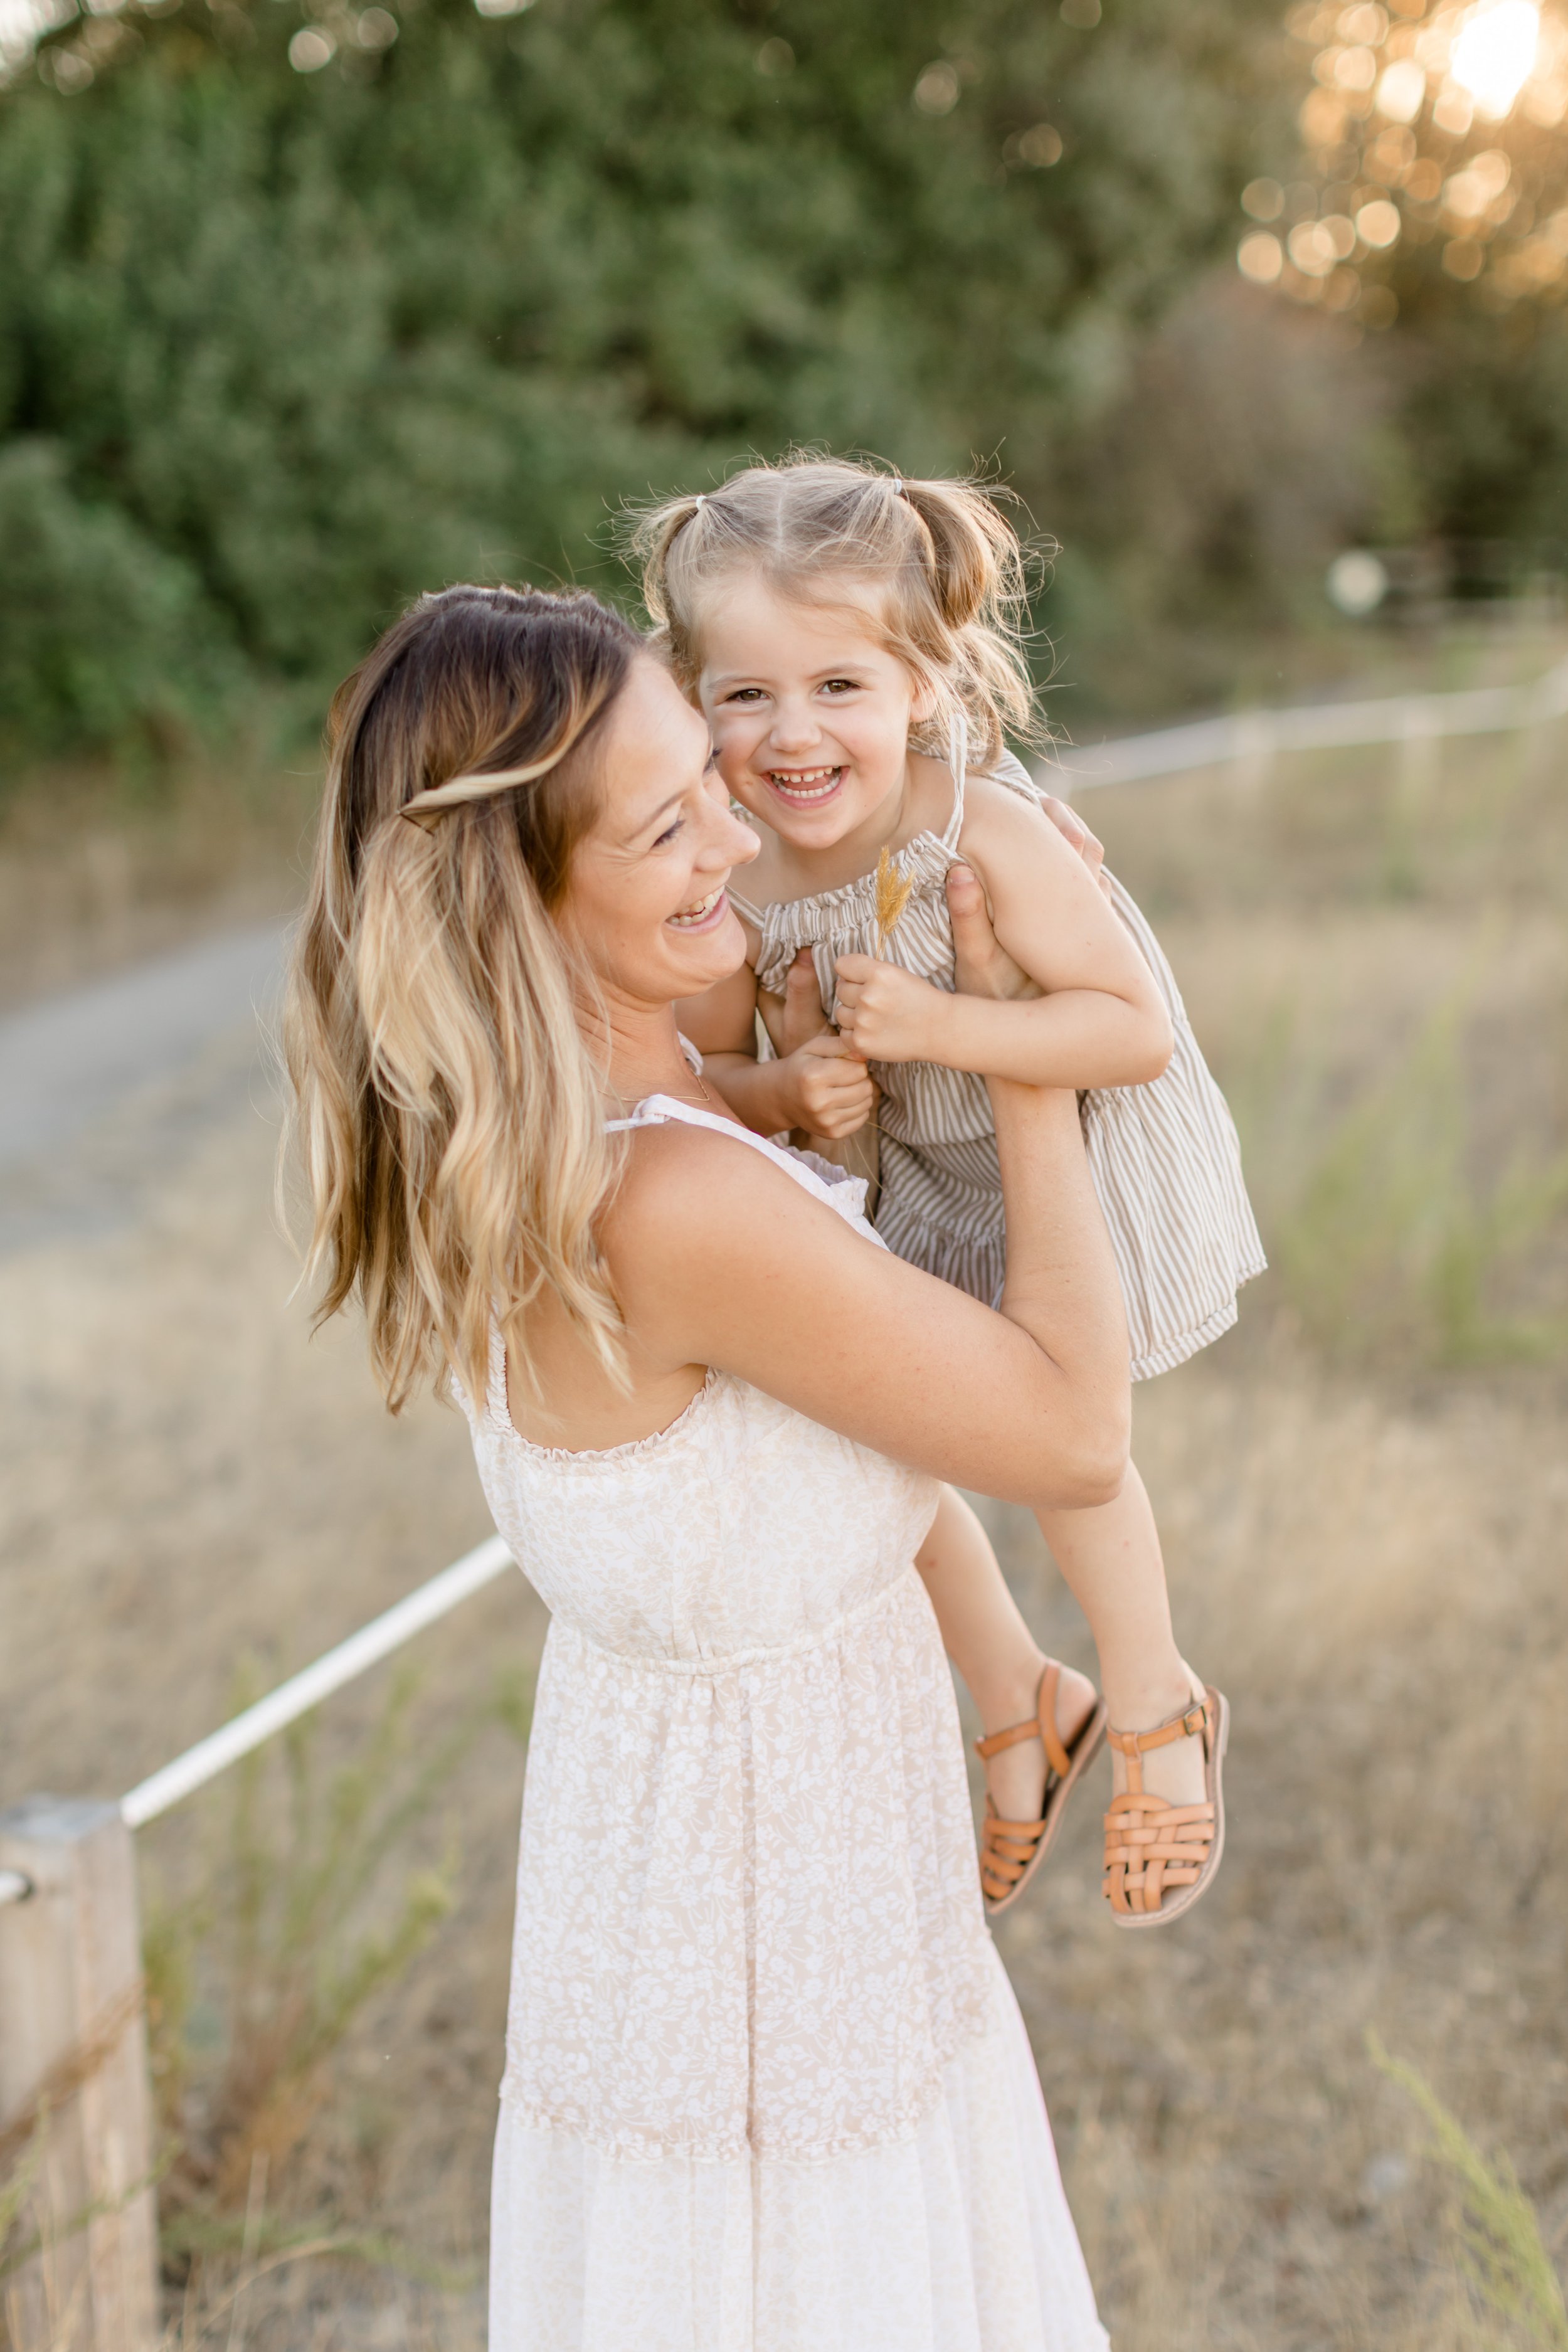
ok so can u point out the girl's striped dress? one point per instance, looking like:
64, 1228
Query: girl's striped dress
1165, 1156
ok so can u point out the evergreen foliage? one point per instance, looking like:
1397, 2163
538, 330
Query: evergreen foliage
278, 348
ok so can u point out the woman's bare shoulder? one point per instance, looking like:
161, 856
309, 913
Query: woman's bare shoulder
684, 1181
703, 1222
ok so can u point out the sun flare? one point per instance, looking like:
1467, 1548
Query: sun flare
1495, 53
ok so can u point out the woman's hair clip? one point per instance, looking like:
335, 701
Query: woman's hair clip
427, 809
897, 486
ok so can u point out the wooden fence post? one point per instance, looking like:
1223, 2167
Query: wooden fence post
73, 2047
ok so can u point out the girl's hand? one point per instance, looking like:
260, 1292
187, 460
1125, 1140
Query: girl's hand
884, 1014
825, 1088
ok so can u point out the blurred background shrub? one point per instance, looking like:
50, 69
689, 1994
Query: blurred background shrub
297, 316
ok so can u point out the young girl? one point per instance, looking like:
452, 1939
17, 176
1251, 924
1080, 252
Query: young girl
842, 629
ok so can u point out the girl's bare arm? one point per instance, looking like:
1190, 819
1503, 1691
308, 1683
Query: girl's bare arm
719, 1258
1100, 1021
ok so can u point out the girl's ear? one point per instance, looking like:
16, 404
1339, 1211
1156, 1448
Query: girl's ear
927, 701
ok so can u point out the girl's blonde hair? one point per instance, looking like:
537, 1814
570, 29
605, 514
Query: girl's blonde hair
943, 567
445, 1106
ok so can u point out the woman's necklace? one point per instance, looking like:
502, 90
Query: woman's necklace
701, 1089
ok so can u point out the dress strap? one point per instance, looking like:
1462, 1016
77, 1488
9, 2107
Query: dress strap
822, 1178
660, 1110
752, 913
958, 762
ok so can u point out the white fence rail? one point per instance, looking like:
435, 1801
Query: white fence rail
1256, 736
73, 2046
73, 2060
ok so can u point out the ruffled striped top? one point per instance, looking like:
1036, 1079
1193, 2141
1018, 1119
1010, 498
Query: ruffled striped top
1165, 1156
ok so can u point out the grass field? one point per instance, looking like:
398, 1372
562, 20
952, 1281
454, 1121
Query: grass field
1364, 1492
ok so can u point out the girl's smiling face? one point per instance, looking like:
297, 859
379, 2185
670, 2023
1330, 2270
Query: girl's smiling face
810, 715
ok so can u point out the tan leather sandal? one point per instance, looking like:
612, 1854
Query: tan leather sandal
1160, 1857
1011, 1852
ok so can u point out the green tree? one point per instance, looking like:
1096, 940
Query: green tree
317, 339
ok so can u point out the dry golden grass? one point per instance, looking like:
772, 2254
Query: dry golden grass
100, 869
1363, 1493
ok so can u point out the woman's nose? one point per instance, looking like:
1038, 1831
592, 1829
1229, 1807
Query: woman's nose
740, 844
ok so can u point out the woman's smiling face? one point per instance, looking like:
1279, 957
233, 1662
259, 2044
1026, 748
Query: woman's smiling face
810, 715
646, 902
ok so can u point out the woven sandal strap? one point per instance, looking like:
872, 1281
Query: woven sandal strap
996, 1827
1043, 1728
1196, 1719
1011, 1737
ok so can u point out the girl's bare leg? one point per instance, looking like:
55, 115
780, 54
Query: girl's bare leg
994, 1652
1111, 1559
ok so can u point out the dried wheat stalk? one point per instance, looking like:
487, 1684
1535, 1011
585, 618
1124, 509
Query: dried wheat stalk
893, 890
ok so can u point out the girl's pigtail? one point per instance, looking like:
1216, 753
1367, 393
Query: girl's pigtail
648, 542
976, 565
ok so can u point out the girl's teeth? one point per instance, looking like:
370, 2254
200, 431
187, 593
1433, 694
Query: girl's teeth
814, 787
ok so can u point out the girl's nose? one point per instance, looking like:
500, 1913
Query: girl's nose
795, 728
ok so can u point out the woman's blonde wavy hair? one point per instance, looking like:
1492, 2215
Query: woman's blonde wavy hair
446, 1109
940, 570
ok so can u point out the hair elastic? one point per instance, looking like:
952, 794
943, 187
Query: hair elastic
897, 486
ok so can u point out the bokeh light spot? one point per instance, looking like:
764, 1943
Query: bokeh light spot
1378, 224
1401, 90
1357, 583
1038, 147
312, 47
1495, 53
1311, 248
1260, 258
1264, 199
936, 92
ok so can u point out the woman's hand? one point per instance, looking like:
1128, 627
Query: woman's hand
981, 965
1076, 834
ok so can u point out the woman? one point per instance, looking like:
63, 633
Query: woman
767, 2089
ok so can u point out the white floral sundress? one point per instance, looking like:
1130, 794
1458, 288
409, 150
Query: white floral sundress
767, 2088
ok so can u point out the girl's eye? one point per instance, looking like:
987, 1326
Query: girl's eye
745, 694
840, 685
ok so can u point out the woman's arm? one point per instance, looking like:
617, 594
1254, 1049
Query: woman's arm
719, 1257
1101, 1022
819, 1085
